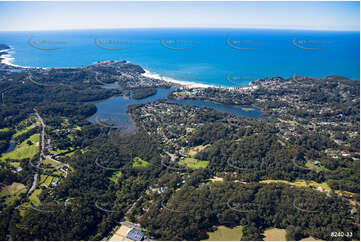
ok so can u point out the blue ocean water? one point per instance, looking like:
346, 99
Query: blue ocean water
226, 57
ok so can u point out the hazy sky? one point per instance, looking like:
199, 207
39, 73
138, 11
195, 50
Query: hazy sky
101, 15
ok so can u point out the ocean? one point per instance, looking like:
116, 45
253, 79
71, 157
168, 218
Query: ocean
220, 57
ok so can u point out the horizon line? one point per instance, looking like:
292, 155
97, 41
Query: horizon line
201, 27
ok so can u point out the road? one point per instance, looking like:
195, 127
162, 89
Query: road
42, 146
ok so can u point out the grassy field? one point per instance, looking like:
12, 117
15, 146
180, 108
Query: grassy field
193, 163
25, 130
300, 183
12, 192
73, 152
22, 209
24, 150
59, 151
42, 178
66, 124
12, 189
57, 172
4, 130
51, 162
138, 162
115, 176
316, 168
34, 197
70, 154
46, 180
15, 164
273, 234
224, 233
194, 150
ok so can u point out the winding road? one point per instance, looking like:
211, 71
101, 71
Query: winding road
42, 146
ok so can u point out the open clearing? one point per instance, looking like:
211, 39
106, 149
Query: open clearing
60, 152
25, 130
216, 178
115, 176
139, 162
12, 192
316, 168
291, 122
120, 234
12, 189
224, 233
15, 164
4, 130
46, 180
310, 239
194, 150
24, 150
273, 234
23, 207
34, 197
51, 162
193, 163
300, 183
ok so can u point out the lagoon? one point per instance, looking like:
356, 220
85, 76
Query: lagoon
113, 111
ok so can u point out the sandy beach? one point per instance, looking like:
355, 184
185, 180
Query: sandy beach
8, 59
182, 83
188, 84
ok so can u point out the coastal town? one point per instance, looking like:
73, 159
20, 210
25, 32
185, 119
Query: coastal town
180, 121
297, 110
304, 140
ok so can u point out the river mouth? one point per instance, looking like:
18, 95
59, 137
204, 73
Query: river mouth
112, 113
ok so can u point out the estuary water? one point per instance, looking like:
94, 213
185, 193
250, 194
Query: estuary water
112, 112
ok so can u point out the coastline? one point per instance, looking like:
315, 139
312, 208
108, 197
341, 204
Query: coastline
175, 81
7, 59
189, 84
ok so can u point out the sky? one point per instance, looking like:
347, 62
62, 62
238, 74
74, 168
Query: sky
26, 16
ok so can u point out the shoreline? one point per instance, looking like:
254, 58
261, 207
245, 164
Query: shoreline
187, 84
7, 60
